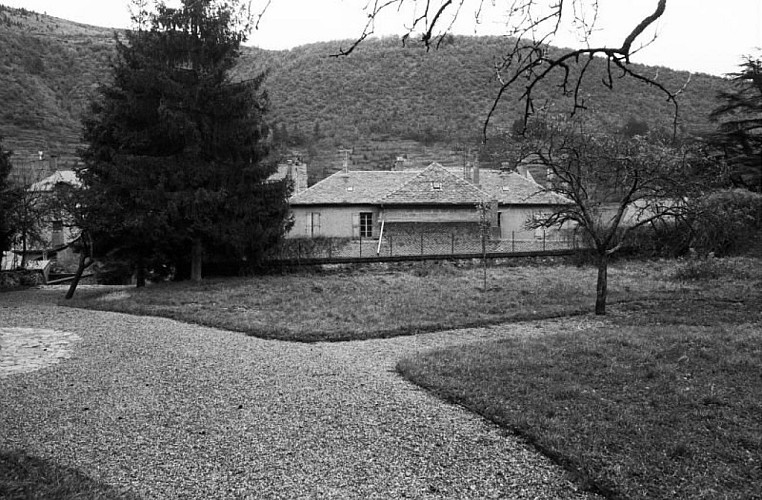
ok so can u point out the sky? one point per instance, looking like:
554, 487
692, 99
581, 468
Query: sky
708, 36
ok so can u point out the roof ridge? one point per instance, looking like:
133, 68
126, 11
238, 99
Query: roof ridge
404, 184
433, 166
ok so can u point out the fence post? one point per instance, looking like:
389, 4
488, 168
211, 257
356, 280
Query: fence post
390, 246
421, 243
513, 241
360, 245
330, 249
543, 240
453, 244
299, 251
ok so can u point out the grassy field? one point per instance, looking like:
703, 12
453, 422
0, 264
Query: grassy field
371, 303
663, 399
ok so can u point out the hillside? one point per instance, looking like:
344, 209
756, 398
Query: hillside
383, 101
49, 69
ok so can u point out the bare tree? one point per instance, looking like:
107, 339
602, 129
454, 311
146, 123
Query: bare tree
29, 214
615, 185
66, 201
531, 27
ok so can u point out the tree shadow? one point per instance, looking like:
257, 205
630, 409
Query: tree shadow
27, 477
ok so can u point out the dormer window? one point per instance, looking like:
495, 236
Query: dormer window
350, 188
436, 186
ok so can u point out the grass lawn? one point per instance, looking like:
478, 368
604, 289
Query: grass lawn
371, 303
663, 399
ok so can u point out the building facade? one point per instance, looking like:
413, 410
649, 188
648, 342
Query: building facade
365, 204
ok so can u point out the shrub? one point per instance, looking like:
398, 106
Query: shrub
663, 238
9, 279
20, 277
113, 272
309, 247
697, 268
728, 222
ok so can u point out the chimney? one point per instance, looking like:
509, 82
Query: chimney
398, 164
522, 170
53, 163
57, 236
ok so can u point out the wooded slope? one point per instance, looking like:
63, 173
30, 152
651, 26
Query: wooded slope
384, 100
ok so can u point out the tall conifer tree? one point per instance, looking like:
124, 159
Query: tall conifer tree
175, 157
8, 197
739, 118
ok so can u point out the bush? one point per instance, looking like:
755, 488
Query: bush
113, 272
728, 222
307, 248
663, 238
19, 278
697, 268
9, 279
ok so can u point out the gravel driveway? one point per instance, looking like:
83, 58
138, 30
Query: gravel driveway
169, 410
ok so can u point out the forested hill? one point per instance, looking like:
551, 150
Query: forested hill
384, 100
48, 69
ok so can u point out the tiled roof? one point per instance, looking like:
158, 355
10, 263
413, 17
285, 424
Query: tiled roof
60, 176
435, 185
353, 187
511, 188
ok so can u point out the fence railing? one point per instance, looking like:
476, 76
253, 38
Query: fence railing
418, 245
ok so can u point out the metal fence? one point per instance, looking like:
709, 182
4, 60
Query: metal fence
423, 245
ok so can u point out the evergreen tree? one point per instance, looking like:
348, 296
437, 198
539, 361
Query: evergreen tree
739, 132
7, 199
175, 157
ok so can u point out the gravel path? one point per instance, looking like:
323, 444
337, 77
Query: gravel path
169, 410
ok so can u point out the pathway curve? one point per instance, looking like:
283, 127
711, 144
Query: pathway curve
169, 410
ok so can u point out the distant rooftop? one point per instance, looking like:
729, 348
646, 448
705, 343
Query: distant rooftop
434, 185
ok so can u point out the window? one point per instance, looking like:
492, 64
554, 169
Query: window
313, 224
436, 186
366, 224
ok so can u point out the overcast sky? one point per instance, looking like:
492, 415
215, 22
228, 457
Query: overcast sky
709, 36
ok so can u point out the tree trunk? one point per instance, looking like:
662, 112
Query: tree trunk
83, 264
23, 251
602, 287
197, 252
140, 274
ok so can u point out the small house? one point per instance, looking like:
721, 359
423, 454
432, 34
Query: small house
361, 204
54, 247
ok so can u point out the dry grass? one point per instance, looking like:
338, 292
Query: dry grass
360, 304
662, 400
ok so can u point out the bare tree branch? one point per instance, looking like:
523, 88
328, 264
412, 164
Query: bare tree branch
531, 27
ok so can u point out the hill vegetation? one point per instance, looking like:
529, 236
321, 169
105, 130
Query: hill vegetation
49, 68
385, 100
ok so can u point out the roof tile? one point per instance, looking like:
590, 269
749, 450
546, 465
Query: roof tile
434, 185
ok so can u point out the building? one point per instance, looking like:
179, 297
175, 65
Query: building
53, 248
293, 169
362, 204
